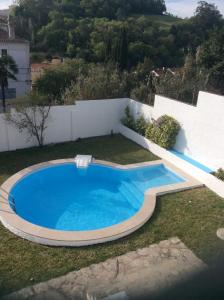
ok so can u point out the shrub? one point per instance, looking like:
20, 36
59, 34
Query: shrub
54, 81
101, 82
141, 125
219, 174
143, 94
163, 131
128, 119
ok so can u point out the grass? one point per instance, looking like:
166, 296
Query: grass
165, 20
162, 21
116, 149
193, 216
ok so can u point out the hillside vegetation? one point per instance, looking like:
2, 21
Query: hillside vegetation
114, 47
99, 30
164, 21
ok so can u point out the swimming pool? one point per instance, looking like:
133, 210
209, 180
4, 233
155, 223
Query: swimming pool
64, 197
55, 203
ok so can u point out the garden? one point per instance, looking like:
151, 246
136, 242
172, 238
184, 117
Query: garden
194, 216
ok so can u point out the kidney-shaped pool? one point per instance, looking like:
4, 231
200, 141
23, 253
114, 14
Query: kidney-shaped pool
56, 203
64, 197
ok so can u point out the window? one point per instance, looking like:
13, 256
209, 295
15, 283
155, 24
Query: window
4, 52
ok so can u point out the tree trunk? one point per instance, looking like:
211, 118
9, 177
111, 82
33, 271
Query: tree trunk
3, 98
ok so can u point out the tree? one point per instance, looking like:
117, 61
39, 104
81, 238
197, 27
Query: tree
54, 81
211, 61
191, 33
212, 51
8, 70
121, 50
138, 51
31, 115
118, 8
30, 16
207, 15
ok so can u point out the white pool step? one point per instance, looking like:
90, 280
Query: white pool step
83, 161
131, 193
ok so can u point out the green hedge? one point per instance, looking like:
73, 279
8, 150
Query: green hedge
141, 125
163, 131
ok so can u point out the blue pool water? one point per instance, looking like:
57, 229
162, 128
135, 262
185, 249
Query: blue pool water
63, 197
192, 161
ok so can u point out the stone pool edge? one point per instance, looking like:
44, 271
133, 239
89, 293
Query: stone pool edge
45, 236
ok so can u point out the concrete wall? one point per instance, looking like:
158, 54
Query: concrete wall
202, 127
67, 123
201, 136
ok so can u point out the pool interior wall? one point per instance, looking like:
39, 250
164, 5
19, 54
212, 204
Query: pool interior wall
63, 197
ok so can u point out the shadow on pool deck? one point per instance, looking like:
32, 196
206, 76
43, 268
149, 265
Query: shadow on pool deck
145, 271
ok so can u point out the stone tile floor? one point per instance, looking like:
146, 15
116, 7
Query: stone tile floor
133, 274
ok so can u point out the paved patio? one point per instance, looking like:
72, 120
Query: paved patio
143, 271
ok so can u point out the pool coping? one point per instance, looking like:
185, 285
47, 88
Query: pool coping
51, 237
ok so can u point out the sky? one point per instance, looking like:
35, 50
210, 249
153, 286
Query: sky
186, 8
5, 3
181, 8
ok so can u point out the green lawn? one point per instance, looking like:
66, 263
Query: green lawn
193, 216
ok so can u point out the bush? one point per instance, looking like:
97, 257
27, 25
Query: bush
143, 94
100, 82
141, 125
163, 131
128, 119
219, 174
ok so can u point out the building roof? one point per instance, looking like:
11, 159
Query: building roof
15, 40
36, 67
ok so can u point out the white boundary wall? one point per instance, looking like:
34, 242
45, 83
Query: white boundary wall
68, 123
202, 127
201, 136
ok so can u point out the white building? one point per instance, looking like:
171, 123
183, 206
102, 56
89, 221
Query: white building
19, 50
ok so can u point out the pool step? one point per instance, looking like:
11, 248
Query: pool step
132, 194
